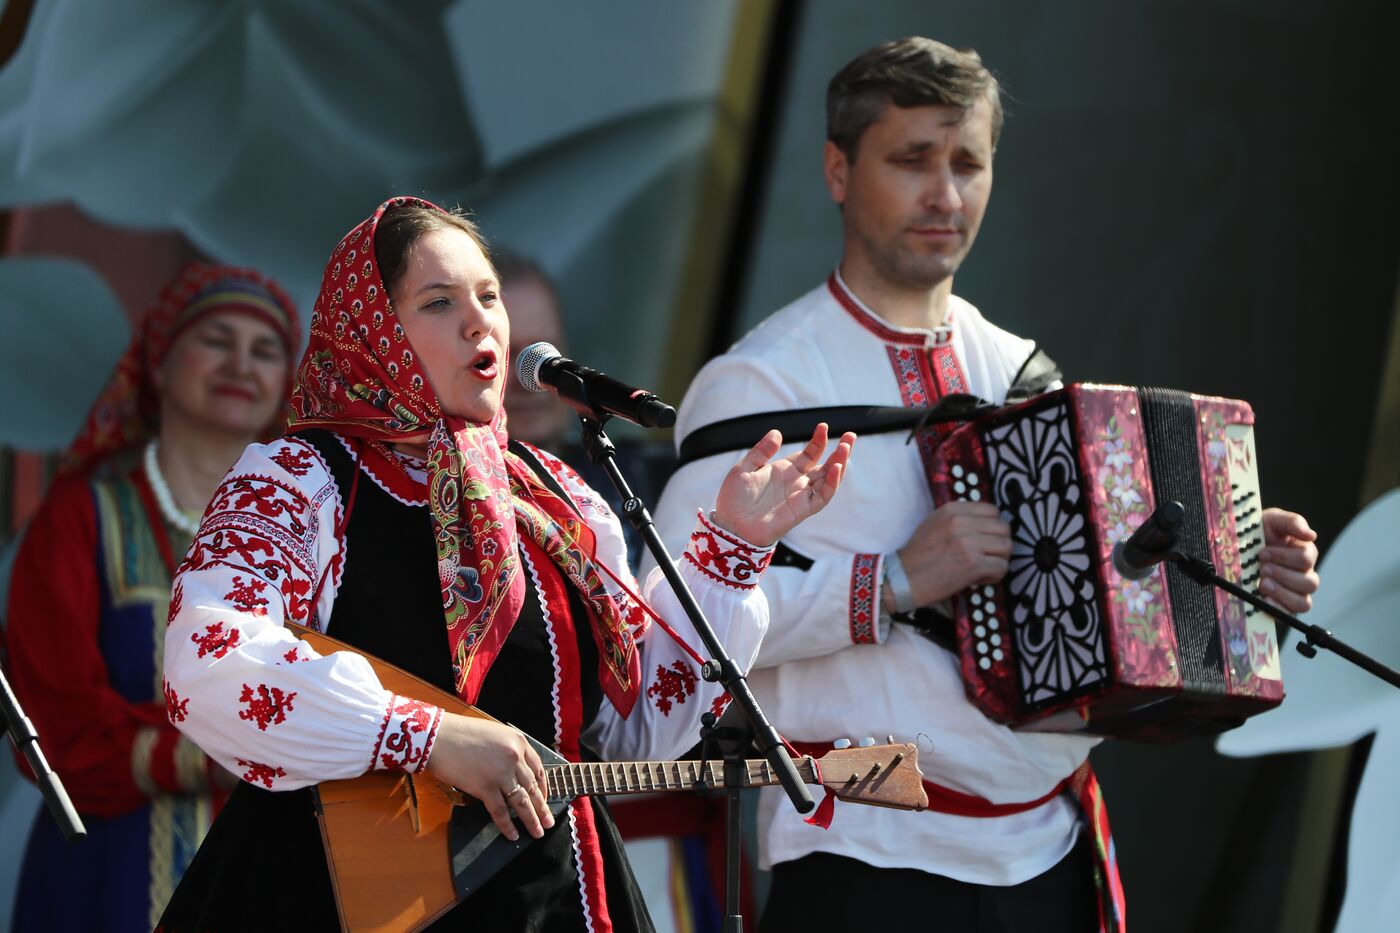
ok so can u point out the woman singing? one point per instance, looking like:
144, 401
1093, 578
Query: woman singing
205, 375
398, 516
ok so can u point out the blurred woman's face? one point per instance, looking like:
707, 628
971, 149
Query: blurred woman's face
449, 305
226, 372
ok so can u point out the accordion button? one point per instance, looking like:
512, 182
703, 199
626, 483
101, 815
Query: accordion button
959, 488
988, 592
977, 615
992, 624
957, 470
981, 647
974, 495
976, 599
841, 743
980, 632
996, 655
984, 663
991, 608
972, 479
995, 639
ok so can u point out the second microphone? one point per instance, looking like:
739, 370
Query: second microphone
540, 366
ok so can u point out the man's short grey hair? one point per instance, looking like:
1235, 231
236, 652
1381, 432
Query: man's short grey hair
909, 72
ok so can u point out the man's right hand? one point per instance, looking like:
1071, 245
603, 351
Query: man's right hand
960, 545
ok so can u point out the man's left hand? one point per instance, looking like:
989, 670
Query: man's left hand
1289, 561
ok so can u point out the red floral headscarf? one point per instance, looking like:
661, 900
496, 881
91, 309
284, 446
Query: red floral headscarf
360, 378
127, 411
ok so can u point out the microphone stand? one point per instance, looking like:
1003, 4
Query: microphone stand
1314, 636
22, 733
721, 668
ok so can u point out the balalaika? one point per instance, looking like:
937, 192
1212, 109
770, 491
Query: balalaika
404, 849
1064, 643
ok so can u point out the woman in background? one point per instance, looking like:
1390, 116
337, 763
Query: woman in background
206, 374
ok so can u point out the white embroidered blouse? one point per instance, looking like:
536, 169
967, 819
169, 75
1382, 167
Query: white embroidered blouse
270, 709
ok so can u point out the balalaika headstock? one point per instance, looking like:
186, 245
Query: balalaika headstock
879, 775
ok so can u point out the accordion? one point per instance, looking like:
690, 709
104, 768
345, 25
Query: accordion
1064, 643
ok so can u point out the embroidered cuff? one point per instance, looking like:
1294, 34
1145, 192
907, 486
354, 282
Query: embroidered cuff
865, 591
724, 557
406, 735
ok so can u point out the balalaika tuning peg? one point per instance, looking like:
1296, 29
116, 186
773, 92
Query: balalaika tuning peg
841, 743
867, 742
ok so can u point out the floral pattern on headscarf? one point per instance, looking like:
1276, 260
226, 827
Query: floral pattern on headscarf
127, 410
360, 378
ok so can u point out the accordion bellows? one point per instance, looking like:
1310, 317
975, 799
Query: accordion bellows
1064, 642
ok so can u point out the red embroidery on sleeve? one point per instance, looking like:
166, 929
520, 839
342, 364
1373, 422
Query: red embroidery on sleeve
265, 499
862, 613
291, 657
295, 593
177, 599
723, 557
407, 748
268, 707
264, 530
218, 639
246, 596
259, 773
228, 543
295, 462
176, 709
674, 684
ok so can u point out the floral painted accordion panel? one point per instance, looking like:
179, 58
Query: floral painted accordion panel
1064, 643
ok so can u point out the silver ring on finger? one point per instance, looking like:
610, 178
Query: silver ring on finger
517, 789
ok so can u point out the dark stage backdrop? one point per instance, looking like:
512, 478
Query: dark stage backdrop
1191, 194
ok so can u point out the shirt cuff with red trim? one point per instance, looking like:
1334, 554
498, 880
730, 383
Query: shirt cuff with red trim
406, 735
726, 558
868, 625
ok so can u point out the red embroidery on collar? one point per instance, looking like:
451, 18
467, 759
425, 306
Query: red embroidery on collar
387, 469
942, 336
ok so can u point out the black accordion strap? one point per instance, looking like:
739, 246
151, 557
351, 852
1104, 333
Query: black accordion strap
1035, 376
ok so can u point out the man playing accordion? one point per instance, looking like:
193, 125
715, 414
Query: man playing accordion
1016, 835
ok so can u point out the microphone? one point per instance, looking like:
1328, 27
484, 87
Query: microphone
1136, 556
540, 366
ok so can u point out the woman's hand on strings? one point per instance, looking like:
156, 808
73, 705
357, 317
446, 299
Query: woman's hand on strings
495, 764
763, 499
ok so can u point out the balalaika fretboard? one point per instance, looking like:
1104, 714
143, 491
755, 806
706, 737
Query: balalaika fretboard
566, 781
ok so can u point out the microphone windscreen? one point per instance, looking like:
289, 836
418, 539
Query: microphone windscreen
527, 365
1125, 569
